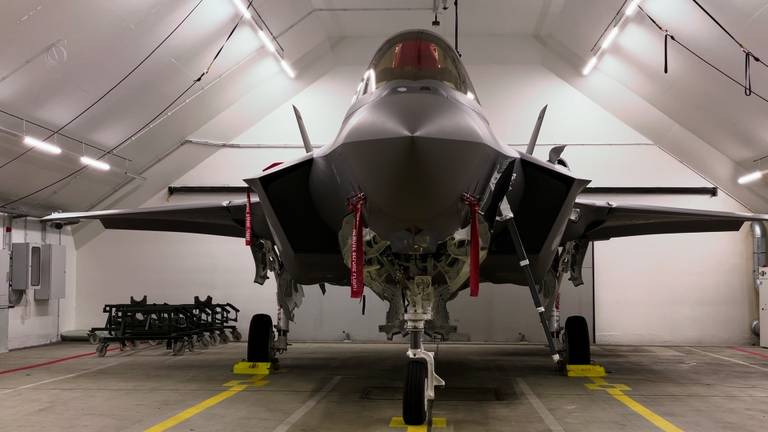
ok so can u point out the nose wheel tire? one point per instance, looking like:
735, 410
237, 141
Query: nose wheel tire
415, 405
576, 341
261, 338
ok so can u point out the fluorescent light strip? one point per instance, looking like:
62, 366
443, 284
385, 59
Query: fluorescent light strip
95, 163
611, 36
590, 65
751, 177
632, 8
42, 145
266, 41
242, 8
287, 68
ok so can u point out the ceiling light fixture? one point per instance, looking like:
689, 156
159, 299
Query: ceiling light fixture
287, 68
589, 66
609, 37
751, 177
267, 41
42, 145
632, 8
242, 8
95, 163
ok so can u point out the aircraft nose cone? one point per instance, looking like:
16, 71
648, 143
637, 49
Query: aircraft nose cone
414, 156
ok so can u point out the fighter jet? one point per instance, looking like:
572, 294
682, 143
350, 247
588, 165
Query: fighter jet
417, 200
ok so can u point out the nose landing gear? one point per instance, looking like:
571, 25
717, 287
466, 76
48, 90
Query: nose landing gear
420, 378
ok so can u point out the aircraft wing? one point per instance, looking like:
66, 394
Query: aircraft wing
605, 220
222, 219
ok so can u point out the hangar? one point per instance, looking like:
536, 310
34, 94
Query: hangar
383, 215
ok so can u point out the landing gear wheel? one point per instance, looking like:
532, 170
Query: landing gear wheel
260, 339
576, 341
101, 350
178, 347
236, 335
415, 406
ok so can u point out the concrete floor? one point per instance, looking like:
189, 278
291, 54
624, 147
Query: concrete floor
490, 388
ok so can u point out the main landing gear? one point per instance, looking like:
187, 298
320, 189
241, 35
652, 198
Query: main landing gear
420, 378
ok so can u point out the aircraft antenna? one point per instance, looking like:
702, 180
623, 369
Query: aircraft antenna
303, 130
536, 130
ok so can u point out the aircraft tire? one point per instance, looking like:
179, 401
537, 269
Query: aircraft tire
260, 339
414, 394
577, 341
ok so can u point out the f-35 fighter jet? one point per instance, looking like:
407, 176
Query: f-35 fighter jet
417, 200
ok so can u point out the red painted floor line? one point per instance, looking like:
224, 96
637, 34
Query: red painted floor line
765, 356
50, 362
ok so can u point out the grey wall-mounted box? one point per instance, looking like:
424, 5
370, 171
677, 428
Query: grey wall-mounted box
53, 273
39, 267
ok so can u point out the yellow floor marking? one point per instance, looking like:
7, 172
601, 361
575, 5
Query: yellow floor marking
235, 387
437, 422
617, 391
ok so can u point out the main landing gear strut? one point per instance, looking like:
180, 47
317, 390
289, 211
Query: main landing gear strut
420, 378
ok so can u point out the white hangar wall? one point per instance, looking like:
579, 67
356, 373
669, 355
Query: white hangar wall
677, 289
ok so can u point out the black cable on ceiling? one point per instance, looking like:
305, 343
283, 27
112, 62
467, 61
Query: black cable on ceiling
698, 56
456, 27
748, 54
88, 108
145, 125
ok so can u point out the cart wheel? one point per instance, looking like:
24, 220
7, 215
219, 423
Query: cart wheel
236, 335
204, 342
214, 339
93, 338
101, 350
132, 344
191, 344
178, 347
123, 345
224, 337
153, 342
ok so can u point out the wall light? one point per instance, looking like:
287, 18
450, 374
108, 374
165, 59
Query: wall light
751, 177
42, 145
95, 163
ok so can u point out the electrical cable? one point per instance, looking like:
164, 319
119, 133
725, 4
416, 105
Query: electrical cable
125, 77
117, 146
456, 27
699, 57
748, 54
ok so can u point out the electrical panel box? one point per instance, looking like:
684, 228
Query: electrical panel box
53, 264
39, 267
5, 277
762, 302
20, 266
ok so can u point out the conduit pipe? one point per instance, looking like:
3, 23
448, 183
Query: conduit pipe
759, 259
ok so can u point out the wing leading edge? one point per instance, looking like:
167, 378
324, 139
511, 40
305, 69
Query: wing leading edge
604, 220
222, 219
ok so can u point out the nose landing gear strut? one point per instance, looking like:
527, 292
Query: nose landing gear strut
420, 379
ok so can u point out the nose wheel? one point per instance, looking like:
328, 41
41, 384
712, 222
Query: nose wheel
420, 377
415, 402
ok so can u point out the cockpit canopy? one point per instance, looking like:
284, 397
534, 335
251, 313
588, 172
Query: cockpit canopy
414, 56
